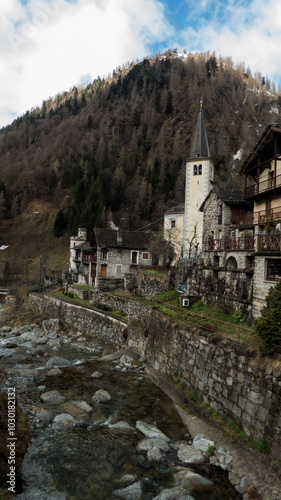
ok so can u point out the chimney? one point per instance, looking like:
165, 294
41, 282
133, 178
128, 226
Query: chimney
119, 236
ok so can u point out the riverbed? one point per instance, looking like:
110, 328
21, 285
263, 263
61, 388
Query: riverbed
93, 440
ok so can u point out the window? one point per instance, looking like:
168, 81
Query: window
103, 255
118, 268
145, 256
194, 169
273, 269
173, 224
199, 169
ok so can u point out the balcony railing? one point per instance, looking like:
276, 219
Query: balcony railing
263, 186
259, 218
267, 242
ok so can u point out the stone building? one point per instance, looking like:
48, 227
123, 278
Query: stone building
242, 237
227, 251
110, 259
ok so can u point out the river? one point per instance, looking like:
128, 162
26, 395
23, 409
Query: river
89, 457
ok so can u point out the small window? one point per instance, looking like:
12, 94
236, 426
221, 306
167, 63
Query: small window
173, 224
118, 268
103, 255
145, 256
194, 169
199, 169
273, 269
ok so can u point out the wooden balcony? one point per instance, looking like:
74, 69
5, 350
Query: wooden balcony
262, 187
259, 218
248, 243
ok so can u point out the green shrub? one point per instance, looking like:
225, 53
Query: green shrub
268, 326
263, 446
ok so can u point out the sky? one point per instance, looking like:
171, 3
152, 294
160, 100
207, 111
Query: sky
49, 46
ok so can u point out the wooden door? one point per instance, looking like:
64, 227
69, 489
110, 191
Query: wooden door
103, 270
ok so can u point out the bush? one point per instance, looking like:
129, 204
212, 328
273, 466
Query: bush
268, 326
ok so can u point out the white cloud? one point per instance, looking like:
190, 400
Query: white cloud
47, 47
249, 32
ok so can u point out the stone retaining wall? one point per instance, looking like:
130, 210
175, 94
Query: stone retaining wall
228, 376
103, 327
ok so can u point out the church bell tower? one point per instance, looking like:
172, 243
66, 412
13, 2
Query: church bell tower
198, 184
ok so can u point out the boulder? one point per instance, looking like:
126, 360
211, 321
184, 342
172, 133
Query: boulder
190, 454
150, 431
192, 481
147, 444
52, 397
176, 493
132, 492
121, 426
201, 443
57, 361
101, 396
63, 417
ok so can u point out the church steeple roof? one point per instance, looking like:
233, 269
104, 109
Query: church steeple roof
200, 147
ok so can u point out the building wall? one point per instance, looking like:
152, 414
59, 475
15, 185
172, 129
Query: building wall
123, 257
174, 234
196, 189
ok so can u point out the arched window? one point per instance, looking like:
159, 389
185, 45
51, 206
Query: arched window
231, 264
194, 169
199, 169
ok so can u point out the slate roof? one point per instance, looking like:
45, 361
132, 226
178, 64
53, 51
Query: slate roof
200, 147
229, 197
107, 238
86, 246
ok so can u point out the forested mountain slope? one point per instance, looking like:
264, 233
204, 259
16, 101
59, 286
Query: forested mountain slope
116, 149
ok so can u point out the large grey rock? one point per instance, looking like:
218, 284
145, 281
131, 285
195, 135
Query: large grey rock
52, 397
150, 431
201, 443
132, 492
147, 444
176, 493
63, 417
192, 481
121, 426
29, 337
83, 406
190, 454
57, 361
101, 396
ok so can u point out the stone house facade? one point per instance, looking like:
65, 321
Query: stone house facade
242, 232
227, 262
110, 259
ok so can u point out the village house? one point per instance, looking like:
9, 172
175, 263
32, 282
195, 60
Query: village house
110, 259
242, 238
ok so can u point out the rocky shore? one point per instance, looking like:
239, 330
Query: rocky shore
32, 354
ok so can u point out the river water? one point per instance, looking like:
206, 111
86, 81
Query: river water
90, 459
